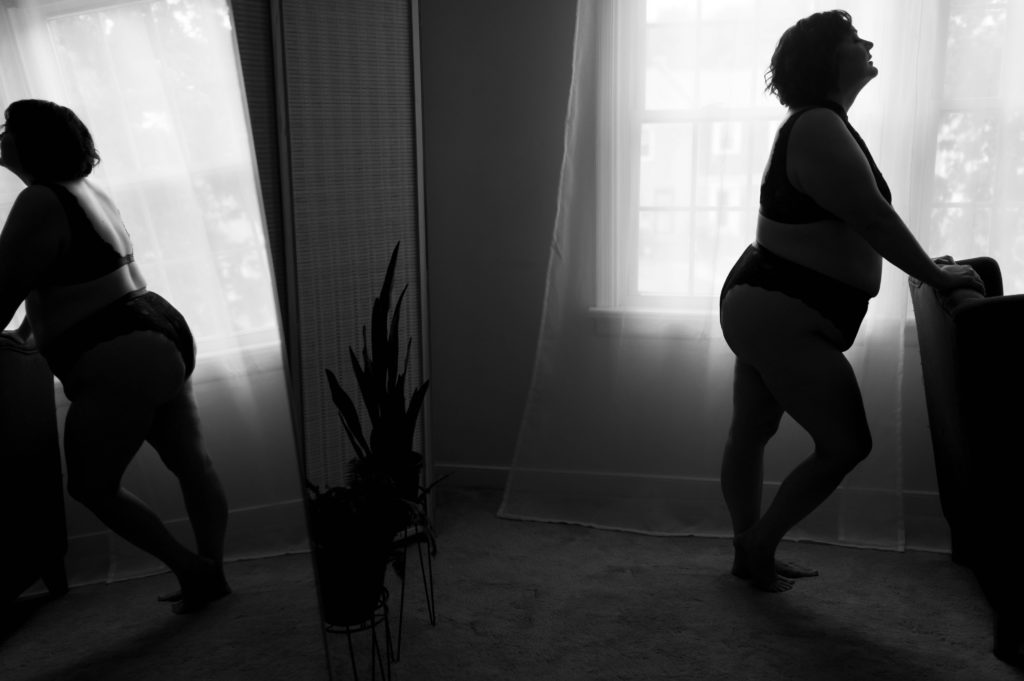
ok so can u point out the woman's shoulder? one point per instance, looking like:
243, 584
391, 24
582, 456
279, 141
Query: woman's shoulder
36, 204
817, 116
821, 129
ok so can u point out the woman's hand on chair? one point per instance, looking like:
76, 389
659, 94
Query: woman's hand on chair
959, 276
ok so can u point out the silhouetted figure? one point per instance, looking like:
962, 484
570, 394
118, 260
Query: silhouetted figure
123, 354
794, 301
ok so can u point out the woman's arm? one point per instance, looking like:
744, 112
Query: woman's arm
29, 246
826, 163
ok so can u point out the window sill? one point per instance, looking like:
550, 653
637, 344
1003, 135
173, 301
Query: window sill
679, 323
660, 322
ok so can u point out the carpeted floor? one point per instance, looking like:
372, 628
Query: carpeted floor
522, 600
266, 629
531, 601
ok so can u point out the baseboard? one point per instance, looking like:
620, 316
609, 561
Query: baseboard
925, 528
471, 476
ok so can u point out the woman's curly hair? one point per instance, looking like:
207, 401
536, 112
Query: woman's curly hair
803, 67
53, 144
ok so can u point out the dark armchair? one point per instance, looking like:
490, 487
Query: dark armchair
972, 357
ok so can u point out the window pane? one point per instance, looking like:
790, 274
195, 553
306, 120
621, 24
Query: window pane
719, 237
665, 253
975, 47
961, 231
668, 11
1014, 154
666, 166
724, 172
965, 157
1013, 259
671, 81
733, 60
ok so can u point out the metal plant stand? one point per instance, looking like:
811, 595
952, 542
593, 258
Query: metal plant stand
378, 659
419, 533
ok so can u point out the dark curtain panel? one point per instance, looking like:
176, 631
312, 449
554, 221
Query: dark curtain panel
331, 94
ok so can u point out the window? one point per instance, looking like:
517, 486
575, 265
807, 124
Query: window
692, 132
977, 200
689, 129
158, 85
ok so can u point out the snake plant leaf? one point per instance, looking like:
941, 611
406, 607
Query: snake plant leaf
356, 438
399, 393
393, 340
349, 415
415, 404
379, 320
389, 276
366, 389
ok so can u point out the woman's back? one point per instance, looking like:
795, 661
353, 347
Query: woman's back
93, 265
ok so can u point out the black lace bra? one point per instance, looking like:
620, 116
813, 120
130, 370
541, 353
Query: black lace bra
88, 256
780, 200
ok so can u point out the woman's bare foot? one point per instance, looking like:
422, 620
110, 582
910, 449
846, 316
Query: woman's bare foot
170, 597
794, 570
782, 567
757, 564
205, 585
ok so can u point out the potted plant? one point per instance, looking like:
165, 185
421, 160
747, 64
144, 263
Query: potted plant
353, 527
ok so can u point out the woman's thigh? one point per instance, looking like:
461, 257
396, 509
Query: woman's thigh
116, 390
796, 352
142, 367
176, 434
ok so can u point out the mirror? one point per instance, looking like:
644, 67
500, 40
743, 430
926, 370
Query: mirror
159, 87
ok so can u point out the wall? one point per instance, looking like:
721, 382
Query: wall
495, 87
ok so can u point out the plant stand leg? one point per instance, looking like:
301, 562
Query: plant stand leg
427, 572
401, 603
392, 655
352, 656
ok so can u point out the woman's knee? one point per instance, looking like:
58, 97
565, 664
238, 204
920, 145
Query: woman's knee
754, 431
847, 452
188, 466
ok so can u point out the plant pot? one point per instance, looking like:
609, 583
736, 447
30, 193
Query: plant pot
407, 476
351, 574
352, 536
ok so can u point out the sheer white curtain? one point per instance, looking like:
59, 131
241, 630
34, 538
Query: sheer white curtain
667, 134
159, 86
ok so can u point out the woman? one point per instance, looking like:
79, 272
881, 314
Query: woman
795, 299
123, 354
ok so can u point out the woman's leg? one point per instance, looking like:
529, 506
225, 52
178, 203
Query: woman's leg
100, 439
797, 356
755, 419
120, 388
176, 435
817, 387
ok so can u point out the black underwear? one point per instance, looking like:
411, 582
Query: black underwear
137, 311
838, 302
